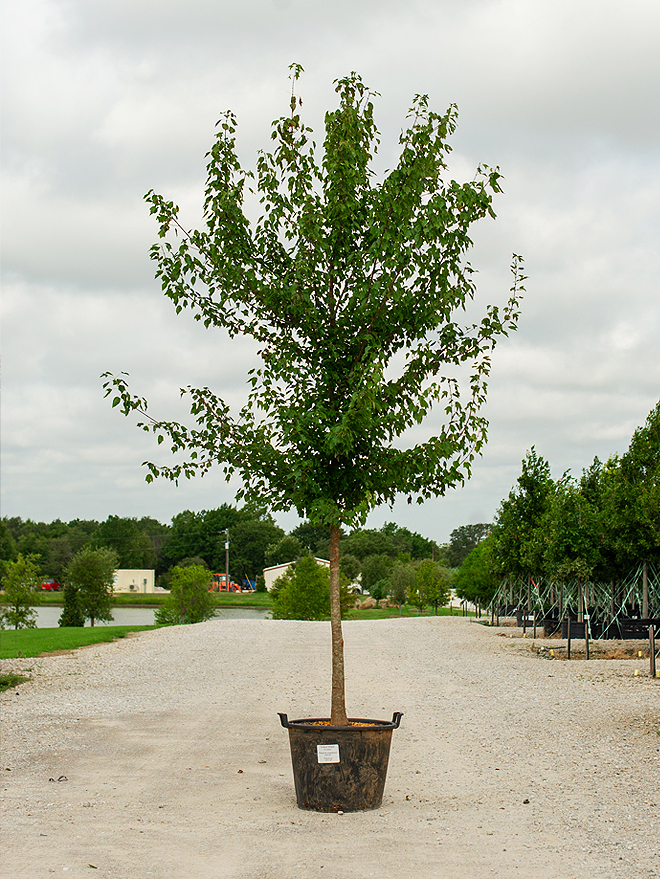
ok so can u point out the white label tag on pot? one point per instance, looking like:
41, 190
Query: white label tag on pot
328, 753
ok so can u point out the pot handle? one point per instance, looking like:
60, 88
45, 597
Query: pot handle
284, 720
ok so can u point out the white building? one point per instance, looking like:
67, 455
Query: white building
271, 574
135, 581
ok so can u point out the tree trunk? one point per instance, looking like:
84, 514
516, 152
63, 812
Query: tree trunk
580, 603
338, 707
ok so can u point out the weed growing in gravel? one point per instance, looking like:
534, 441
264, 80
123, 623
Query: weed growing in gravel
10, 680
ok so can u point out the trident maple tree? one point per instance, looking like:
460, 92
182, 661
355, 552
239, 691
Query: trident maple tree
349, 285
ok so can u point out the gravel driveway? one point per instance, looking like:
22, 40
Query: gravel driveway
176, 767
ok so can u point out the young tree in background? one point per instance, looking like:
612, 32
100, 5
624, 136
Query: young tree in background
20, 583
402, 577
632, 503
431, 585
303, 592
380, 589
91, 572
339, 281
189, 600
477, 579
518, 543
572, 532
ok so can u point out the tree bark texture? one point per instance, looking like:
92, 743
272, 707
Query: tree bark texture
338, 715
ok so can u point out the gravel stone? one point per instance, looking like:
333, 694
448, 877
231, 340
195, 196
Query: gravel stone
172, 763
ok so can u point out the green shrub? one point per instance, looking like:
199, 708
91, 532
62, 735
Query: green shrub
189, 600
303, 592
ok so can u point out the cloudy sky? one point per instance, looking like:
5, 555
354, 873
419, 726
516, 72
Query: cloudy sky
105, 100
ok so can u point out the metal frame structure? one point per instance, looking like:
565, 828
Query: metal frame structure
623, 609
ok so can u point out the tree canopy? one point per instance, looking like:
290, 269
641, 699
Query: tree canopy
338, 276
130, 542
189, 600
517, 535
19, 583
203, 534
91, 573
463, 540
596, 527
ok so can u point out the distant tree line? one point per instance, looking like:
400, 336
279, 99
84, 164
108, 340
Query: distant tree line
256, 541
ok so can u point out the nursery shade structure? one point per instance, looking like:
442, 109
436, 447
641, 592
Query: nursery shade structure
339, 275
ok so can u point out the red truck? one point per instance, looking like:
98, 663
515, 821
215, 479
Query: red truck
51, 584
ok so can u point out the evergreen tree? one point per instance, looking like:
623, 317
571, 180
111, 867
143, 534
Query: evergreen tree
72, 612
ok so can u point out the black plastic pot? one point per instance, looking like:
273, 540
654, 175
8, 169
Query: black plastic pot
577, 629
340, 768
637, 629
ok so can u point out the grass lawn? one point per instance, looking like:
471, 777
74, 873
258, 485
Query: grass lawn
32, 642
386, 613
233, 599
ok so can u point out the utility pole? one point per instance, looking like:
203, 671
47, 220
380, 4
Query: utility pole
227, 558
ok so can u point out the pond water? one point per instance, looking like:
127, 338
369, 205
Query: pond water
48, 617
